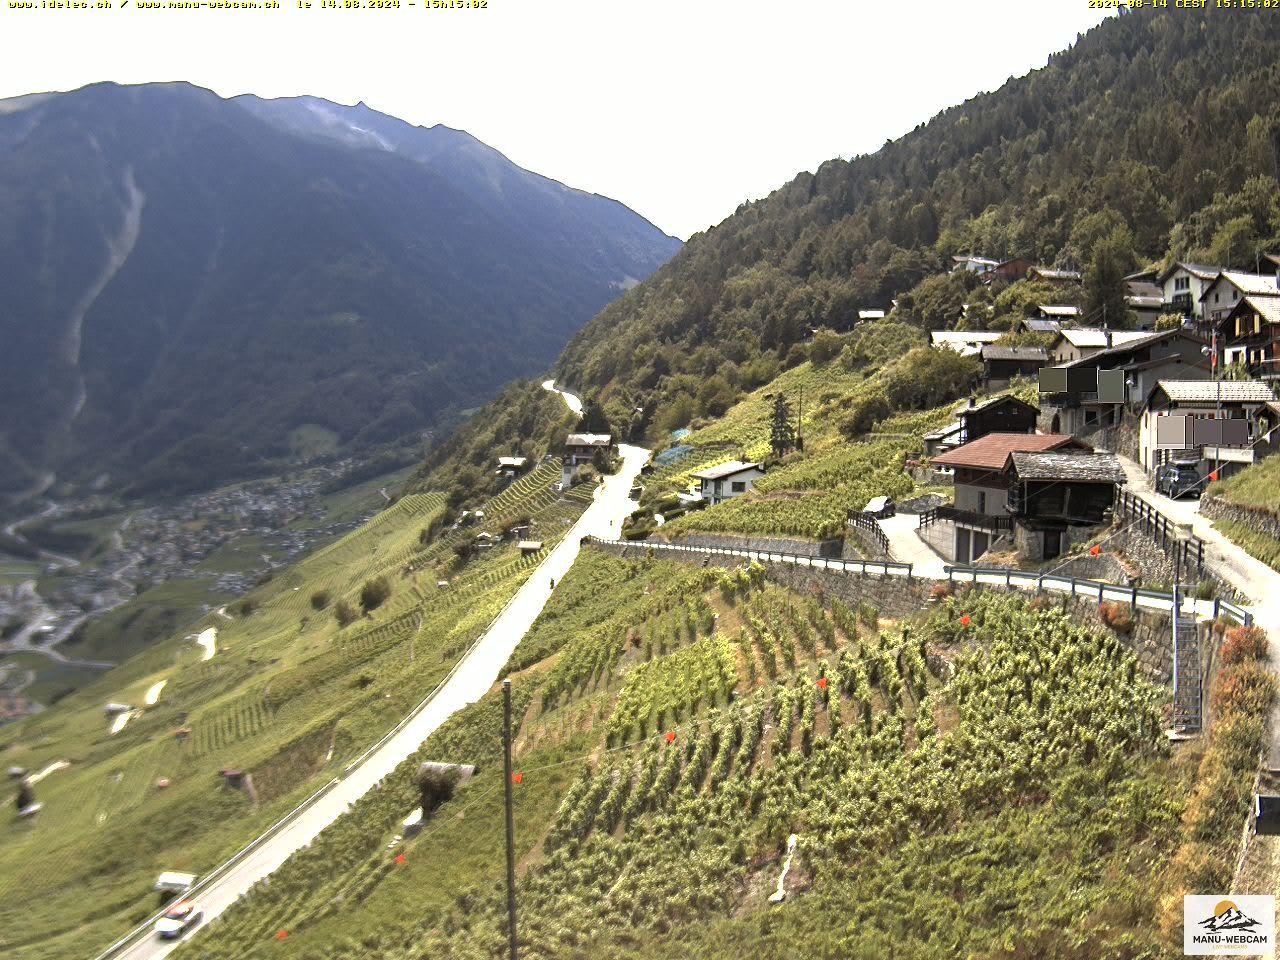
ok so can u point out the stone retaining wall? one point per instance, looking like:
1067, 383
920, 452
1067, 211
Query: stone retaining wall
1260, 521
833, 547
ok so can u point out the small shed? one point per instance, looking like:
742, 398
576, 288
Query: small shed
171, 881
529, 547
438, 782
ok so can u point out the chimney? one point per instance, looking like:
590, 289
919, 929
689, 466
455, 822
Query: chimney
971, 402
1109, 339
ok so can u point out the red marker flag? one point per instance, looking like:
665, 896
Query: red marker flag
282, 935
822, 683
964, 621
517, 778
1213, 475
671, 736
1095, 550
401, 858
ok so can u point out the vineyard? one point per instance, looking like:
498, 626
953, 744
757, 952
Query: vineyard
689, 720
291, 695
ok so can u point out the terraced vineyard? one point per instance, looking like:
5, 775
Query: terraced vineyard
664, 762
290, 696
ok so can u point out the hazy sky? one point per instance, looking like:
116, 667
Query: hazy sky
682, 110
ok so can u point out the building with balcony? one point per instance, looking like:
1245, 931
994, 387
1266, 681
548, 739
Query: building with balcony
1183, 284
1249, 336
1229, 287
1224, 424
1055, 497
728, 480
979, 515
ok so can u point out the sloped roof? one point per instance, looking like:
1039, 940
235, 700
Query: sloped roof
1087, 467
1131, 347
1252, 284
1050, 274
991, 451
1266, 307
996, 352
1203, 271
1232, 391
588, 440
1143, 288
1001, 400
1058, 309
1093, 337
726, 469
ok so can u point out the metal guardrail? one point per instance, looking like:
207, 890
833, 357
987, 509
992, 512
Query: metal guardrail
1076, 586
144, 928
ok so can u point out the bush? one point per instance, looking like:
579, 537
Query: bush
344, 613
320, 599
1117, 616
374, 593
1243, 688
1243, 644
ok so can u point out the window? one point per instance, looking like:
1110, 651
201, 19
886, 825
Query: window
982, 501
739, 486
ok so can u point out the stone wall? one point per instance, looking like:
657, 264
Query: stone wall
1260, 521
868, 545
805, 548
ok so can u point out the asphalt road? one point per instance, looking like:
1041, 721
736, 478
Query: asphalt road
474, 677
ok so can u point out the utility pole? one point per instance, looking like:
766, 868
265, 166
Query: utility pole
511, 830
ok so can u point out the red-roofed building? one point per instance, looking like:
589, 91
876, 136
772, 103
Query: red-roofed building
979, 516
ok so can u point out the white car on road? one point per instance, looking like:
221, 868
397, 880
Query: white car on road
178, 919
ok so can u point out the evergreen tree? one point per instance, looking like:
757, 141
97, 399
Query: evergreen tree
593, 419
783, 435
1104, 283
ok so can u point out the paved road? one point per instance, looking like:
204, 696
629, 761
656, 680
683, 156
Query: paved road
905, 545
473, 678
1253, 578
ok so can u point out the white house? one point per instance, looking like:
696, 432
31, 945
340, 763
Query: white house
1184, 284
1074, 344
1200, 407
728, 480
1221, 296
972, 264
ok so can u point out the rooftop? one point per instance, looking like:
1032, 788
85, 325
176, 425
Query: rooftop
1233, 391
725, 470
1050, 274
588, 440
1134, 345
1042, 326
1267, 307
1088, 467
996, 352
1059, 310
991, 451
1202, 270
1253, 284
1092, 337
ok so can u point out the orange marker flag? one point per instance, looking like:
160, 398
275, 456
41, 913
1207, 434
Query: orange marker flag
282, 935
822, 683
964, 621
671, 736
1095, 549
517, 778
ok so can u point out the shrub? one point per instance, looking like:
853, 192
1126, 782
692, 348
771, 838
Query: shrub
941, 591
1243, 644
374, 593
1117, 616
1245, 687
344, 613
320, 599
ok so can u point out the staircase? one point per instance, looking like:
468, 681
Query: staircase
1186, 675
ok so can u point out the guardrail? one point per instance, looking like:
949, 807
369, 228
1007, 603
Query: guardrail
994, 576
884, 567
1185, 551
986, 521
144, 928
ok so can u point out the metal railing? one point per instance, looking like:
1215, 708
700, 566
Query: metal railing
865, 523
971, 517
1096, 590
1187, 552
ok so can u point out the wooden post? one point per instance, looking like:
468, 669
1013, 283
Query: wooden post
511, 830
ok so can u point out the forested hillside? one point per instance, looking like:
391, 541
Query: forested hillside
1155, 134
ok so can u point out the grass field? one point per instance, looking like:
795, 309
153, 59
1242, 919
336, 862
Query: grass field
289, 697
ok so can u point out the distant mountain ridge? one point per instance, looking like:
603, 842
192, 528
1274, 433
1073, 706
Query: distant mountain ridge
200, 288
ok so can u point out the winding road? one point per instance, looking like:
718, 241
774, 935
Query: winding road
474, 676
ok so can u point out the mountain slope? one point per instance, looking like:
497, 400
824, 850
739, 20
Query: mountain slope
189, 280
1143, 123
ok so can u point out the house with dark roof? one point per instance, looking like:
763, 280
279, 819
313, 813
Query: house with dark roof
1222, 424
1094, 392
1000, 364
978, 517
728, 480
1002, 414
1145, 301
580, 448
1249, 336
1054, 494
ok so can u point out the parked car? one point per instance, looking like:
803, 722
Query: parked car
1176, 480
178, 919
880, 507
